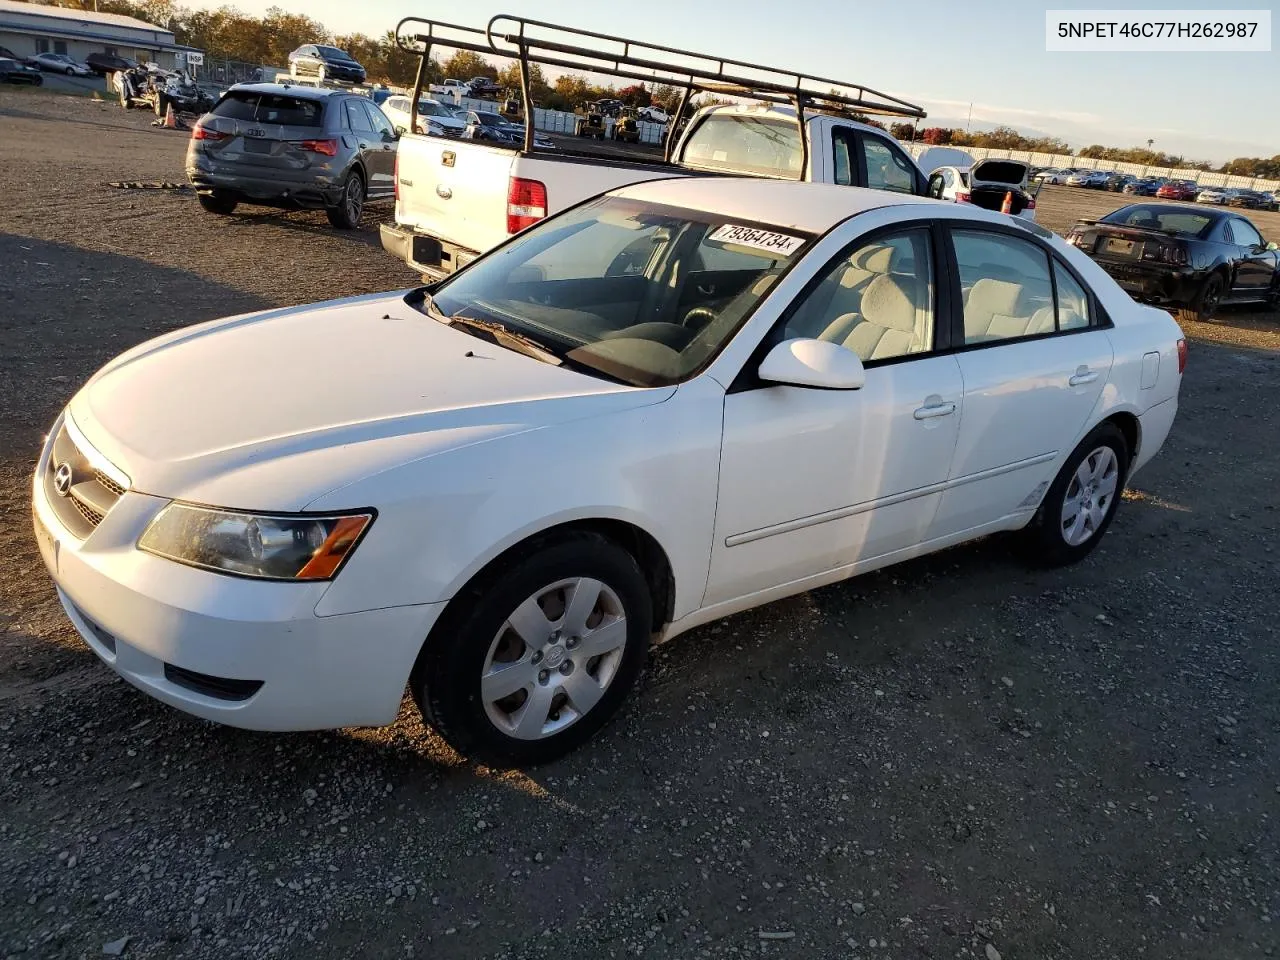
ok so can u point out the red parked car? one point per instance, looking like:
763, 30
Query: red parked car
1178, 190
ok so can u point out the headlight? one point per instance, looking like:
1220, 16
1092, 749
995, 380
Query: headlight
282, 547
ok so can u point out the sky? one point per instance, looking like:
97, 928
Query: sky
943, 55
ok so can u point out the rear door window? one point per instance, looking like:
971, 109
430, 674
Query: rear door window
269, 108
381, 124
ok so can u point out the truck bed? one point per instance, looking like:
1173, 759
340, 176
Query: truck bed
454, 196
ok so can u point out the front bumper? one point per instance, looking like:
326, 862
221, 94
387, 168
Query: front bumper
246, 653
426, 254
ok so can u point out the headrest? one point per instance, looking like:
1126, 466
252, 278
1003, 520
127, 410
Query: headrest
887, 302
990, 296
876, 258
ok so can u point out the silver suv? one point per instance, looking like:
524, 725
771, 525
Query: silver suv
280, 145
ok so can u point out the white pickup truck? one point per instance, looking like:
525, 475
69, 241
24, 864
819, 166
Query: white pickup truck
457, 199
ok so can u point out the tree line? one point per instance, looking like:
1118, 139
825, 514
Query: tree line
229, 34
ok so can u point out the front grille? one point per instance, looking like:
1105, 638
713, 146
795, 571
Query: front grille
221, 688
107, 482
88, 492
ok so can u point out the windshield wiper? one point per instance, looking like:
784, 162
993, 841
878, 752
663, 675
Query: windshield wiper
507, 337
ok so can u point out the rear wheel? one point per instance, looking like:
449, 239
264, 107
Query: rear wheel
223, 206
345, 215
1081, 502
1207, 300
539, 656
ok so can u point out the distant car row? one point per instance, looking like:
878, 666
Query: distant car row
1161, 187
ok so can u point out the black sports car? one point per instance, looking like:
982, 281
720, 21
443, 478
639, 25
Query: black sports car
325, 62
11, 71
1192, 259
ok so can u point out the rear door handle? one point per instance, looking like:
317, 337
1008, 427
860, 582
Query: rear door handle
1082, 376
935, 409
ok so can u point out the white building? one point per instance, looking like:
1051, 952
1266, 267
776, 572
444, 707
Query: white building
28, 28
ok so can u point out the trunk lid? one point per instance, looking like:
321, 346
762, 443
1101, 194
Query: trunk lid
991, 180
264, 130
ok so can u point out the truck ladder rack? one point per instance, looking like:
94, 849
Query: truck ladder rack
536, 41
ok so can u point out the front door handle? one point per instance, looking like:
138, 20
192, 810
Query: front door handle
934, 407
1082, 376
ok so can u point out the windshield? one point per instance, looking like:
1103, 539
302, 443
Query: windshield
432, 109
269, 108
1172, 219
333, 53
637, 292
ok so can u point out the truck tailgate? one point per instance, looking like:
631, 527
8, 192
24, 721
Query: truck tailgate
454, 190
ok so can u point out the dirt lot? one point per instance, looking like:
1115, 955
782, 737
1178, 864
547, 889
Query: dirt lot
954, 758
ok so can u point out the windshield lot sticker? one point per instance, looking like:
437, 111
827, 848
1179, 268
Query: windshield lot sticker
778, 243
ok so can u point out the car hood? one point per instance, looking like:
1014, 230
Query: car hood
271, 410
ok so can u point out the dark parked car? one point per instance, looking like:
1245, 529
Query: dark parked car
11, 71
325, 63
1146, 187
1191, 259
483, 87
1115, 182
289, 146
104, 63
1248, 199
1179, 190
484, 125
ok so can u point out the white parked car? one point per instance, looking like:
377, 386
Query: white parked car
1215, 195
438, 119
60, 63
677, 401
1053, 176
653, 114
987, 183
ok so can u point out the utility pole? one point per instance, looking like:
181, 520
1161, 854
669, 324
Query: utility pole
967, 123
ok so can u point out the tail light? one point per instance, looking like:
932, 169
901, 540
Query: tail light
526, 203
204, 133
1170, 253
962, 197
1182, 356
327, 147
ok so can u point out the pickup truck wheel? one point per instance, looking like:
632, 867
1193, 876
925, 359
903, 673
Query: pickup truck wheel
1206, 302
223, 206
1081, 501
532, 661
346, 214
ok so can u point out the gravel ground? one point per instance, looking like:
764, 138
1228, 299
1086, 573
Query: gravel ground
956, 757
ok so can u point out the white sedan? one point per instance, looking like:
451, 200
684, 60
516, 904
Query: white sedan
663, 406
438, 119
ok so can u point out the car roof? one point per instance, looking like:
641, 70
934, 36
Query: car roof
289, 89
813, 207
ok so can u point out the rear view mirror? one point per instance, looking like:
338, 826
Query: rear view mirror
805, 362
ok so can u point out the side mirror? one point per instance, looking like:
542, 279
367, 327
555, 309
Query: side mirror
805, 362
935, 186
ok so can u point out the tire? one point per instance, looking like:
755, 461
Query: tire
223, 206
345, 215
538, 720
1052, 539
1207, 300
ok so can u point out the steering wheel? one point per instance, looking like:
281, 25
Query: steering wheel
698, 318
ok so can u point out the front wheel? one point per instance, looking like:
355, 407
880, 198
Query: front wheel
1207, 300
538, 657
346, 214
1081, 502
